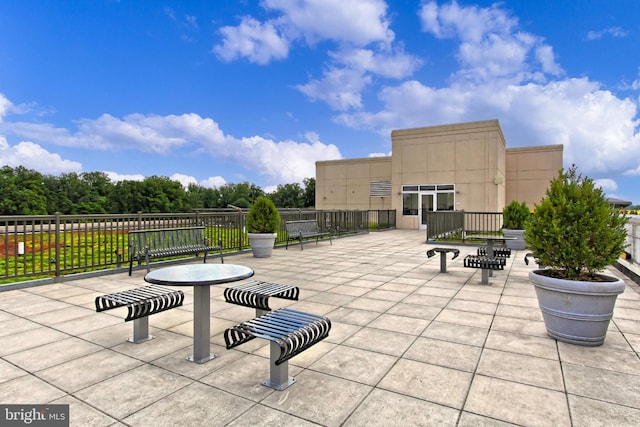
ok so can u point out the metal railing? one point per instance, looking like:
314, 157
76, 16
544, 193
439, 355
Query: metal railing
633, 239
456, 225
46, 246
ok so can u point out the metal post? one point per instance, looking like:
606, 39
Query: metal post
201, 325
141, 330
443, 262
57, 240
485, 276
278, 374
491, 254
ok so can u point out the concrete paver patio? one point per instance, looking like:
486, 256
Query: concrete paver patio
409, 346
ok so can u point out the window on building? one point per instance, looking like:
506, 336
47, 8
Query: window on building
410, 204
445, 201
412, 194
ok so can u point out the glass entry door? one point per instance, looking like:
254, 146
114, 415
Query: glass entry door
426, 205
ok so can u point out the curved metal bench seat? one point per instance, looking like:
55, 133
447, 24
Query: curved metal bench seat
141, 303
290, 333
484, 262
443, 256
255, 294
498, 251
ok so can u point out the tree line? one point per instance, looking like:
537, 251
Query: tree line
28, 192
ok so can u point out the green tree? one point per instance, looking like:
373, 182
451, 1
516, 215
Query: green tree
23, 192
241, 195
309, 192
127, 197
96, 189
288, 196
194, 197
162, 194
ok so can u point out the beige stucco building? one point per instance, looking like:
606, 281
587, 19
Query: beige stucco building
463, 166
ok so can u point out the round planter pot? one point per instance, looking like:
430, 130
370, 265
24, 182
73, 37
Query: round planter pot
574, 311
262, 244
517, 245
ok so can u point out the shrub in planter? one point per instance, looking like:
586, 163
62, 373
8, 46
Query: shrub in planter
576, 233
574, 230
515, 215
263, 221
263, 216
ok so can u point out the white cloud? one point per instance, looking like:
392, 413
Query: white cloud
155, 134
117, 177
278, 161
393, 63
490, 44
606, 184
360, 30
339, 87
256, 41
213, 182
33, 156
5, 104
186, 180
283, 161
612, 31
345, 22
183, 179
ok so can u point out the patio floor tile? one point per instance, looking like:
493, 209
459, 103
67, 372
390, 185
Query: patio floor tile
602, 384
384, 408
462, 334
445, 353
523, 369
320, 398
517, 403
355, 364
595, 412
195, 404
432, 383
146, 383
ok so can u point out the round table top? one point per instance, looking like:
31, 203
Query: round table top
198, 274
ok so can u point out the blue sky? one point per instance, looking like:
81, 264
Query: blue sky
217, 92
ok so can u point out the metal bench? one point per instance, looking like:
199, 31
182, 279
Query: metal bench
168, 242
290, 332
530, 255
486, 263
141, 303
498, 251
443, 256
303, 229
255, 294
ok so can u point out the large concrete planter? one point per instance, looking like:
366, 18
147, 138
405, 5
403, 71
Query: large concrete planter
574, 311
262, 244
518, 244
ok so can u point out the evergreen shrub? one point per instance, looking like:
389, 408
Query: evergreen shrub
574, 230
263, 216
515, 215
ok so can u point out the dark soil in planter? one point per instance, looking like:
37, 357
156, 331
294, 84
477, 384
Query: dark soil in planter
585, 277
